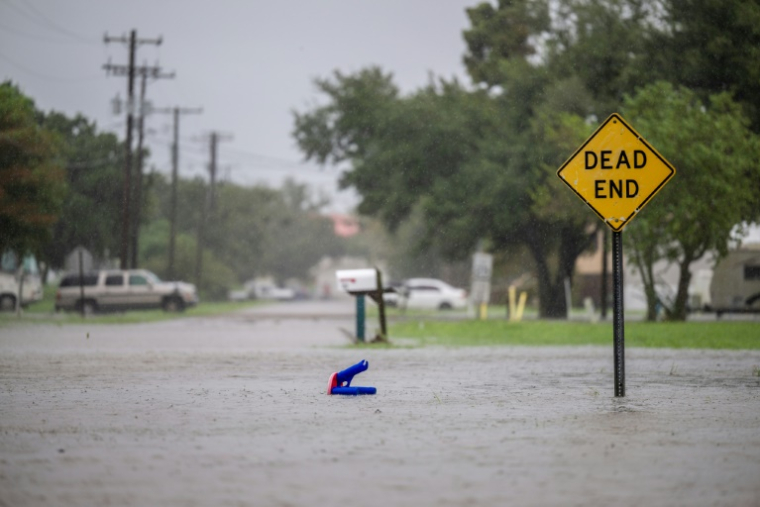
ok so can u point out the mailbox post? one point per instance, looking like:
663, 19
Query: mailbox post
360, 315
360, 283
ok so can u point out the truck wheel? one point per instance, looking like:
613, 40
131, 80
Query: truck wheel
173, 304
7, 303
445, 306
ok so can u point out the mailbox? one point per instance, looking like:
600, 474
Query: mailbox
360, 283
357, 281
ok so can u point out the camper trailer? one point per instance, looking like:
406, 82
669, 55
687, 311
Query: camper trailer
735, 286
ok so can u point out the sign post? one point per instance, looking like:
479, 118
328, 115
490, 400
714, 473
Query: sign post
618, 323
480, 290
616, 173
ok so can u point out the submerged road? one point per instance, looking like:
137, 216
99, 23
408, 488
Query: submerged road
233, 412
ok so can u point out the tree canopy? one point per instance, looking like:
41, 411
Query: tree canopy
716, 157
90, 213
31, 179
254, 231
479, 160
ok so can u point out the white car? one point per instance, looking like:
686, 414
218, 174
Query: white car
431, 294
265, 288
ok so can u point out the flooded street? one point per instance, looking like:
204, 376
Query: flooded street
233, 412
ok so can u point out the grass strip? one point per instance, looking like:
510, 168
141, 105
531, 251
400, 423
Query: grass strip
47, 315
692, 335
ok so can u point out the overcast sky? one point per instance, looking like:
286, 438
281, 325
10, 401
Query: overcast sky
247, 63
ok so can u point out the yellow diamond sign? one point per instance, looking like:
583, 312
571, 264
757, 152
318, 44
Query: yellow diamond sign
616, 172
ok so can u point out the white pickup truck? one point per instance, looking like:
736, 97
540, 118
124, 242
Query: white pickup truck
11, 284
122, 290
9, 289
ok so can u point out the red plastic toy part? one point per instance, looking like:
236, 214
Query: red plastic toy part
333, 382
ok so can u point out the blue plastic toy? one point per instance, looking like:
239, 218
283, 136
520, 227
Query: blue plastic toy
340, 382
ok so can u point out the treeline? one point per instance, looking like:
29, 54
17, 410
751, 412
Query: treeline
251, 231
61, 183
478, 161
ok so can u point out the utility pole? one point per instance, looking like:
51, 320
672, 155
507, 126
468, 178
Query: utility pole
129, 71
144, 109
210, 204
135, 226
176, 112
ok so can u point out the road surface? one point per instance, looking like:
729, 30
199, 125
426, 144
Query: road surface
233, 412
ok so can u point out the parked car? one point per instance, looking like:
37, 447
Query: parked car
392, 293
122, 290
430, 293
266, 288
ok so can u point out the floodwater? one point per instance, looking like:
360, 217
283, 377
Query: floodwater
233, 412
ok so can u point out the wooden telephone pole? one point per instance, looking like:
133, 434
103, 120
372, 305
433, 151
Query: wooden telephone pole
129, 71
176, 112
210, 202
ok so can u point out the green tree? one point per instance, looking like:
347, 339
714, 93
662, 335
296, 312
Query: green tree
91, 213
480, 163
31, 179
476, 164
709, 46
298, 235
254, 231
328, 134
715, 154
218, 277
502, 33
412, 144
603, 45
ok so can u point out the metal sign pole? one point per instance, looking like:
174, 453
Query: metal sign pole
360, 317
615, 199
617, 317
381, 305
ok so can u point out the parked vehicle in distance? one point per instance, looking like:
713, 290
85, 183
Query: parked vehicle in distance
266, 288
31, 286
122, 290
392, 293
430, 294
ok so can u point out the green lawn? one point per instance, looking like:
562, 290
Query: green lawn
698, 335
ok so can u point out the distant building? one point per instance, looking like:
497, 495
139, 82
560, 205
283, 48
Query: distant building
588, 276
588, 280
345, 226
736, 282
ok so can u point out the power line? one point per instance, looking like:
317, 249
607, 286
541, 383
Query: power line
37, 16
185, 150
46, 77
43, 21
262, 158
281, 161
20, 33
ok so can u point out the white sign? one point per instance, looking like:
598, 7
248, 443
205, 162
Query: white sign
482, 267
